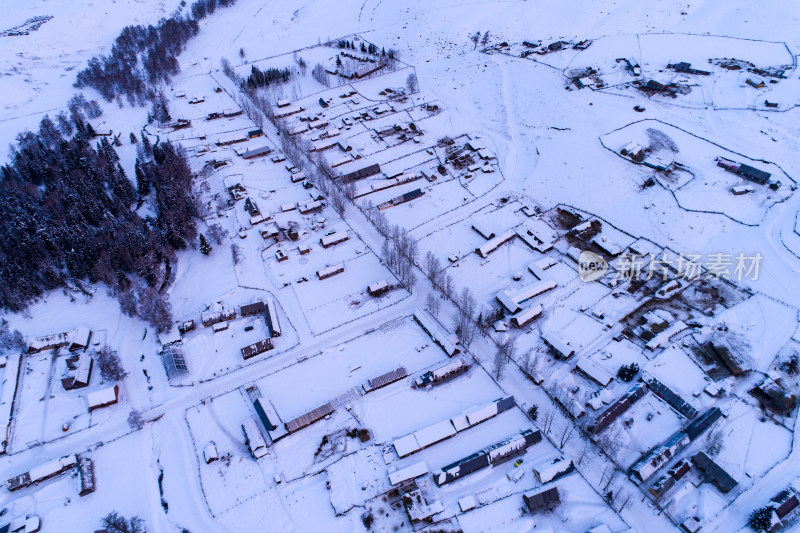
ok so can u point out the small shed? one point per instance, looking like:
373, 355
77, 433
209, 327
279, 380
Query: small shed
210, 452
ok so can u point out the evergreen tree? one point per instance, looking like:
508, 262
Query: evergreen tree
142, 183
627, 372
205, 247
761, 519
148, 148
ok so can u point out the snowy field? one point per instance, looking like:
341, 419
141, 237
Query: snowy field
490, 139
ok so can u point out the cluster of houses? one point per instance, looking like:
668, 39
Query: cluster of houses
77, 339
747, 172
274, 427
655, 459
218, 318
493, 455
83, 465
79, 366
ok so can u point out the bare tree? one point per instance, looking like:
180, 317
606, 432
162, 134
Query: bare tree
411, 83
338, 201
400, 251
135, 419
432, 303
499, 365
227, 69
475, 37
507, 347
433, 268
715, 441
216, 232
109, 363
251, 110
127, 302
10, 340
155, 309
567, 433
382, 223
587, 446
485, 39
448, 287
235, 254
525, 362
465, 324
611, 476
546, 420
623, 498
609, 441
607, 476
116, 523
319, 74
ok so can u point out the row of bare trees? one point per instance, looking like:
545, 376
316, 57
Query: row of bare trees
400, 253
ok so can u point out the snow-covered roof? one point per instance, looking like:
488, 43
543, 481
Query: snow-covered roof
102, 397
467, 502
552, 339
170, 337
406, 445
552, 469
524, 318
409, 472
595, 372
434, 433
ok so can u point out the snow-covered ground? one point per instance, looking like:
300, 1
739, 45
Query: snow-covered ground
490, 139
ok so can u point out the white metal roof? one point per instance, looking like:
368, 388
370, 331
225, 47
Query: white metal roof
433, 434
409, 472
406, 445
594, 372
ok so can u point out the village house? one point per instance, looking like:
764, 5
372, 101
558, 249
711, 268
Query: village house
545, 500
330, 271
254, 308
103, 397
256, 348
713, 472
